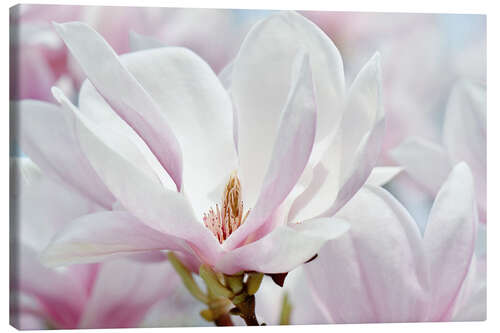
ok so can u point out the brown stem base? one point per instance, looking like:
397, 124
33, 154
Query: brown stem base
224, 320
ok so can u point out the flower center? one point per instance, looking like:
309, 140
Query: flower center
224, 221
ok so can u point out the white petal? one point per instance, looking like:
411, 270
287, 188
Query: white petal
200, 111
156, 206
353, 151
262, 76
282, 250
125, 95
449, 240
382, 175
464, 132
290, 155
119, 135
424, 161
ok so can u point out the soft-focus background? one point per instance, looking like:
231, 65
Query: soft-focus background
423, 56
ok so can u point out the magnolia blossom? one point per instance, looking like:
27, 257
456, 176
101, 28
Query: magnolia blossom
383, 269
463, 138
153, 135
118, 293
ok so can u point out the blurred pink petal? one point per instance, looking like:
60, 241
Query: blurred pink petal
464, 139
449, 240
464, 133
385, 271
47, 135
124, 291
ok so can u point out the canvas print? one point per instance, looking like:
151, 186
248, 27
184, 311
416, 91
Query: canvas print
198, 167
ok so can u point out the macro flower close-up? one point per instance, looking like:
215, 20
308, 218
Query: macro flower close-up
158, 181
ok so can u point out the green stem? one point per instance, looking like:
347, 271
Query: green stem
286, 311
187, 278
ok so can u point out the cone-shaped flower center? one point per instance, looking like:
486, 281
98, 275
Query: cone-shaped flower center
225, 220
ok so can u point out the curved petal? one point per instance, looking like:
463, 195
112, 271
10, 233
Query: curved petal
158, 207
120, 135
61, 298
100, 236
424, 161
44, 207
125, 95
124, 291
199, 110
471, 305
449, 240
225, 76
290, 155
382, 175
464, 132
46, 136
378, 266
353, 151
260, 82
285, 248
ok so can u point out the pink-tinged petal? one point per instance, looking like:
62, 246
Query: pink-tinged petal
47, 137
100, 236
305, 307
119, 135
138, 42
290, 154
312, 199
282, 250
45, 206
349, 159
179, 309
449, 240
365, 159
260, 82
382, 175
124, 291
424, 161
464, 133
471, 304
61, 299
199, 110
158, 207
378, 266
124, 93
